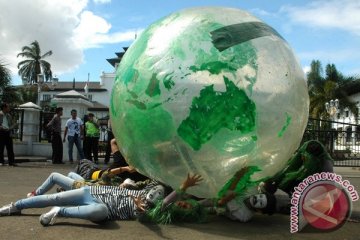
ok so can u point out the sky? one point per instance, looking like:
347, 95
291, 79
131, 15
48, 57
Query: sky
83, 33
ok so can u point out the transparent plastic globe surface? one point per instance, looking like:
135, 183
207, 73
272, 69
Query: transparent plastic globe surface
208, 93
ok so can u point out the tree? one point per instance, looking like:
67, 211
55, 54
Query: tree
5, 79
34, 64
332, 85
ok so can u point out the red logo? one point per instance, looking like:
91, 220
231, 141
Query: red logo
326, 206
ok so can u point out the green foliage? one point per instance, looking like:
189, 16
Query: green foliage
5, 80
331, 85
34, 63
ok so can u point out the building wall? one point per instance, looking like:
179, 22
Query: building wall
106, 81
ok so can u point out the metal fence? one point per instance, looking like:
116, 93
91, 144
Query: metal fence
340, 138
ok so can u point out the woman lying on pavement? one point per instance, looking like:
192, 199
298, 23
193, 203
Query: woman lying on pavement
94, 203
74, 181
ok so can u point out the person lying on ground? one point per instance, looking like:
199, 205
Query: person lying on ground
91, 171
93, 203
309, 159
75, 181
176, 207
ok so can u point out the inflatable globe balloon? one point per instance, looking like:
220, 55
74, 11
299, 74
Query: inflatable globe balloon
208, 90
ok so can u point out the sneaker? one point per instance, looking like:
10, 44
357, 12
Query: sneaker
31, 194
49, 218
9, 209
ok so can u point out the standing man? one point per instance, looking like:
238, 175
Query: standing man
6, 126
75, 128
57, 146
92, 138
110, 136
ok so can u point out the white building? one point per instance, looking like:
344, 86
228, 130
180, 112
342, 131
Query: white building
347, 125
98, 93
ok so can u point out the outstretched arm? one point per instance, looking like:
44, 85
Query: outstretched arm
230, 193
190, 181
115, 171
176, 194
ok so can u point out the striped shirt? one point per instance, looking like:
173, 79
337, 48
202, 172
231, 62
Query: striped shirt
119, 201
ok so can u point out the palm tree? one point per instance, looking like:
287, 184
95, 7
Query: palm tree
333, 85
5, 78
34, 64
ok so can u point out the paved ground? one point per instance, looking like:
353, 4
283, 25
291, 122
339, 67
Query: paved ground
16, 182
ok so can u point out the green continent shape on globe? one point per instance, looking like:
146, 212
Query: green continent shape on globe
213, 110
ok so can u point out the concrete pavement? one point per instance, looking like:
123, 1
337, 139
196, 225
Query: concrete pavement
17, 181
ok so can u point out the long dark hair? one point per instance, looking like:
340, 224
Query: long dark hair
271, 204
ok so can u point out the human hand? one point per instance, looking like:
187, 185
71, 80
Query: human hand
261, 187
140, 205
64, 140
191, 181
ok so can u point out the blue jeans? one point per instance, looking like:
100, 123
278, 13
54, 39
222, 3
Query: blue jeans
58, 179
82, 204
77, 141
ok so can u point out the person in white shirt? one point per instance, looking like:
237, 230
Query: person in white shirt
75, 130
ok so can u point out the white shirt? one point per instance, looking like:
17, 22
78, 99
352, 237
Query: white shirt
73, 126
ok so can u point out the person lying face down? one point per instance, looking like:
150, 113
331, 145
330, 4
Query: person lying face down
94, 203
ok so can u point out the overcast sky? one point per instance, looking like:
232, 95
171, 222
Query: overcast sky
83, 33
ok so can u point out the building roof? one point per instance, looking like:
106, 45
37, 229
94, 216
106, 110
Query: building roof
114, 61
29, 105
79, 86
71, 94
98, 107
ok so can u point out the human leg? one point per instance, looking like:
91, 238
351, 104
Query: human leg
71, 140
95, 148
87, 148
75, 176
95, 212
57, 147
2, 148
10, 150
110, 136
85, 205
76, 197
55, 179
77, 142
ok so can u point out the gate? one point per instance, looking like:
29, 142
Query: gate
341, 139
